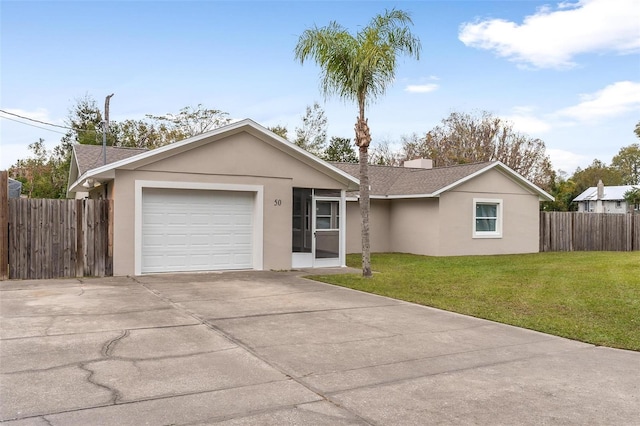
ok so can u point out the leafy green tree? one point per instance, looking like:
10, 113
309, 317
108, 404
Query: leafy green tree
564, 191
312, 135
597, 170
279, 130
340, 150
359, 68
627, 162
45, 173
637, 129
39, 174
466, 138
632, 197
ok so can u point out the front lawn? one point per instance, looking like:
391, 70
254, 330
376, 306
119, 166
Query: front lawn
593, 297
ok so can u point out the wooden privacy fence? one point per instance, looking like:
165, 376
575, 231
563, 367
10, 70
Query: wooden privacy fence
572, 231
59, 238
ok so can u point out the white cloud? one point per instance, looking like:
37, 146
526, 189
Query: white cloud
524, 121
566, 161
614, 100
421, 88
38, 114
551, 38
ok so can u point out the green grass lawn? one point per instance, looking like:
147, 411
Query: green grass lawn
593, 297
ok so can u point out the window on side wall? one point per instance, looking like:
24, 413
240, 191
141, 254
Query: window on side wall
487, 218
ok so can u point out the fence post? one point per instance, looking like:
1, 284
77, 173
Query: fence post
4, 225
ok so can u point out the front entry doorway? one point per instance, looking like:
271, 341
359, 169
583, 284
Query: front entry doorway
317, 228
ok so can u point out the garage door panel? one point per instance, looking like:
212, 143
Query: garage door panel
189, 230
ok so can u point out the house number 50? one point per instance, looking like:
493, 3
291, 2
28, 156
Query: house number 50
277, 202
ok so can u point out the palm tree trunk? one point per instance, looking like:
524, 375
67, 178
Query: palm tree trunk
364, 210
363, 139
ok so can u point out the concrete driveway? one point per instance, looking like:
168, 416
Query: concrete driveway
274, 348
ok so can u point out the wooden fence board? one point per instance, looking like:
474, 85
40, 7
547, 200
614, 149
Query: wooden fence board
572, 231
58, 238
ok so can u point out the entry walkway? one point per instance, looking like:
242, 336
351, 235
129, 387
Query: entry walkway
275, 348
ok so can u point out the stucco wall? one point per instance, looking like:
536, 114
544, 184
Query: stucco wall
414, 226
241, 159
379, 227
520, 228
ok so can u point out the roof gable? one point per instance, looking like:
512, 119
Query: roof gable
107, 172
405, 182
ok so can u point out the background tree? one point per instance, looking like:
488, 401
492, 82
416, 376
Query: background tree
41, 174
464, 138
191, 121
279, 130
359, 68
383, 155
627, 162
637, 129
340, 150
563, 190
312, 134
589, 176
632, 197
45, 173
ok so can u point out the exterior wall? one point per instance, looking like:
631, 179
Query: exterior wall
414, 225
379, 227
238, 160
602, 206
520, 227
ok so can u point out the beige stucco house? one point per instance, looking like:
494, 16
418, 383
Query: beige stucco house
470, 209
241, 197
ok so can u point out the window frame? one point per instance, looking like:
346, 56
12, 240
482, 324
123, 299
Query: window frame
499, 218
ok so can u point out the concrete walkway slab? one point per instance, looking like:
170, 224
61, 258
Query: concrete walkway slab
242, 348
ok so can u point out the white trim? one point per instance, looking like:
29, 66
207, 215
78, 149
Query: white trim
499, 219
258, 211
343, 229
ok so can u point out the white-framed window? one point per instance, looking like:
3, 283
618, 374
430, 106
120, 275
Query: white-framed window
487, 218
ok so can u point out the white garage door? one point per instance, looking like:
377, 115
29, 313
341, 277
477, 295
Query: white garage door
196, 230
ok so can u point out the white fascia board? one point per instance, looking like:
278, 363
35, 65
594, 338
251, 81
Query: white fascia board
395, 197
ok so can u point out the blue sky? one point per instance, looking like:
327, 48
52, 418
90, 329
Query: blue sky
568, 73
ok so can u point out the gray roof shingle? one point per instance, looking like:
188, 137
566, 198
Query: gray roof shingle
390, 180
90, 156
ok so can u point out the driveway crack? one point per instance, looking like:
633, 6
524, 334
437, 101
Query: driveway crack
115, 395
108, 347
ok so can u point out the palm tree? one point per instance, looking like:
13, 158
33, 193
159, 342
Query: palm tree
359, 68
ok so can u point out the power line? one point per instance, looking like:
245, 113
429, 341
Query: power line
37, 121
33, 125
42, 122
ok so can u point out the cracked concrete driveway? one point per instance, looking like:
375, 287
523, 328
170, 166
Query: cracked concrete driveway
275, 348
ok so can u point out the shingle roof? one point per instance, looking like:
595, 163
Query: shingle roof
398, 181
611, 193
90, 156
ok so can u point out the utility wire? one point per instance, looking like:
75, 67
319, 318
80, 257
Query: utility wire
41, 122
33, 125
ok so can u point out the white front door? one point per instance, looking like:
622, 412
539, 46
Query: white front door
326, 248
318, 228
